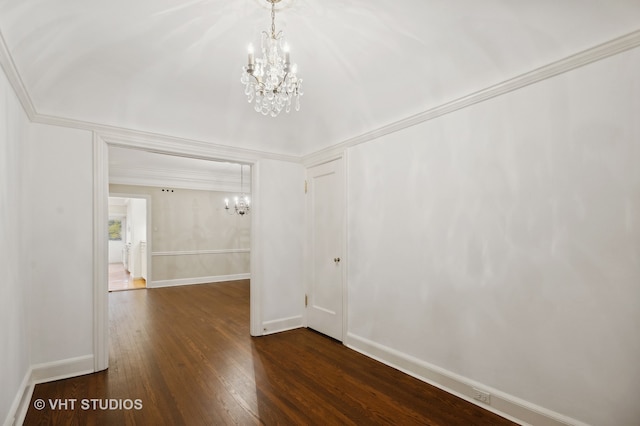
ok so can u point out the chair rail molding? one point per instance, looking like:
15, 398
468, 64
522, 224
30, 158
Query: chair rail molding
199, 252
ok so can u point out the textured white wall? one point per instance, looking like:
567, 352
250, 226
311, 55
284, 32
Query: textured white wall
502, 242
14, 346
59, 212
279, 202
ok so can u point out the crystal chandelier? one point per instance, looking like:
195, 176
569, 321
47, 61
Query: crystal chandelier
242, 203
271, 80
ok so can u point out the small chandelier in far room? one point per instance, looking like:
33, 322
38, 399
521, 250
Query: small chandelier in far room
271, 80
242, 203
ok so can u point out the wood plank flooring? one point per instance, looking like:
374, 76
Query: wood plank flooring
121, 279
186, 354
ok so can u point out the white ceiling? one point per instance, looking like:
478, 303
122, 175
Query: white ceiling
172, 67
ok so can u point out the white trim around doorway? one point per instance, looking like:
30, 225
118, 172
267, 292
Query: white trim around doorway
101, 144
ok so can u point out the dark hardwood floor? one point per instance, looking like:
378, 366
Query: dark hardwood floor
186, 355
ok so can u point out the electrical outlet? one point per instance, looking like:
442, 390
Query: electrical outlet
482, 396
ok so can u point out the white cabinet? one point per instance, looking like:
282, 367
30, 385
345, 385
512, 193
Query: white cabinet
126, 259
143, 259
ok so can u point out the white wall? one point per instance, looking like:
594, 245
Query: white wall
278, 235
14, 347
45, 247
138, 219
115, 251
501, 242
59, 237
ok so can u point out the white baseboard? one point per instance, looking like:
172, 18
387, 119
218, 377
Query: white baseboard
18, 401
63, 369
280, 325
198, 280
503, 404
42, 373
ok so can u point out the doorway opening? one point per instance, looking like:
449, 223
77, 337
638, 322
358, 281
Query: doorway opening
128, 246
106, 176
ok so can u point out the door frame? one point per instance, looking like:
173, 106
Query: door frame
345, 257
180, 148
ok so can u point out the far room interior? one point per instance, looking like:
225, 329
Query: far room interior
185, 219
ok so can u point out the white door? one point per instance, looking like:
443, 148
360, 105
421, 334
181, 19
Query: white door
325, 210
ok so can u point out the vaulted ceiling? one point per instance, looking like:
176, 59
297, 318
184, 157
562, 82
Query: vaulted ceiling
172, 67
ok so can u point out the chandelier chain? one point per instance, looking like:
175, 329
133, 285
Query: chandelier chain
273, 19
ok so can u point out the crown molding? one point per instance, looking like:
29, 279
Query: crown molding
588, 56
130, 138
10, 70
165, 144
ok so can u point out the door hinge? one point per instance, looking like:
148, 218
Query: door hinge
305, 186
306, 300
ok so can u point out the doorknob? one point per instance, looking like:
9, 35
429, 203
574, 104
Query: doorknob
336, 259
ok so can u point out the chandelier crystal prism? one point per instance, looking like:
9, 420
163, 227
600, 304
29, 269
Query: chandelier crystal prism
271, 81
